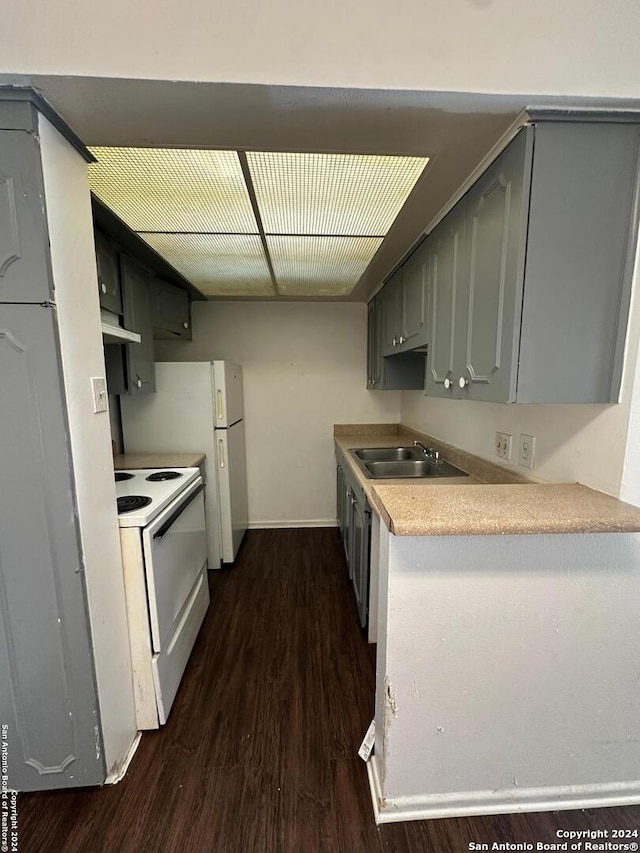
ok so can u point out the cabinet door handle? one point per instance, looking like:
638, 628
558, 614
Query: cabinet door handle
463, 382
185, 325
395, 342
402, 340
448, 384
220, 406
221, 461
103, 287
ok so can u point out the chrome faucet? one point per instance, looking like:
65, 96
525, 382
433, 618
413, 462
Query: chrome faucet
430, 452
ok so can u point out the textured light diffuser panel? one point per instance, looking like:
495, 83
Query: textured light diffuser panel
320, 266
218, 264
331, 194
159, 189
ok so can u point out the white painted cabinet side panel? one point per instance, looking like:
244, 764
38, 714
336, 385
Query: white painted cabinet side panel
511, 667
76, 294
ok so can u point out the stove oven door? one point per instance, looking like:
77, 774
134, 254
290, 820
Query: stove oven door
175, 555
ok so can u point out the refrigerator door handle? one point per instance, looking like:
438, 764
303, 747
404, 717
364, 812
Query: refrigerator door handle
221, 460
220, 405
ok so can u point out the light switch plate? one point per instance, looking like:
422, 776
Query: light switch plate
527, 450
99, 391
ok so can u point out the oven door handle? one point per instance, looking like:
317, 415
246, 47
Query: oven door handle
178, 512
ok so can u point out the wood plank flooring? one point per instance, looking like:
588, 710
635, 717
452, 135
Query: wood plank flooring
259, 754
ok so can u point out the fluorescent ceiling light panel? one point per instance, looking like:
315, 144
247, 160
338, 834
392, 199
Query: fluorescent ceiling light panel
331, 194
171, 189
218, 264
320, 266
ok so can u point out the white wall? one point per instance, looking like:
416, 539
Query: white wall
304, 370
76, 286
574, 443
579, 46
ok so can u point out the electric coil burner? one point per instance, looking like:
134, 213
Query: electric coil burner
120, 476
159, 476
129, 503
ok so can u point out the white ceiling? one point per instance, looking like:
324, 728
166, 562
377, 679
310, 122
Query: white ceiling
456, 130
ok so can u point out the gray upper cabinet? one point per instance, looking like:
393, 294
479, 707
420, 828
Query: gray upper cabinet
446, 272
530, 271
371, 344
24, 239
414, 311
108, 274
490, 294
405, 305
170, 310
140, 363
47, 683
390, 298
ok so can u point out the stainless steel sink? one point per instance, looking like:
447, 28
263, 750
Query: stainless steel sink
388, 454
388, 463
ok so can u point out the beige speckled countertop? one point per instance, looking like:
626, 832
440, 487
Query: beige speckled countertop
495, 500
122, 461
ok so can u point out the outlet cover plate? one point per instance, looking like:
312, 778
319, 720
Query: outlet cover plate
503, 445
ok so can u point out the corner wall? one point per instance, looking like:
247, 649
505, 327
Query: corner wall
304, 369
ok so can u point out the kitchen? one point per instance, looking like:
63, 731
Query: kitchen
291, 329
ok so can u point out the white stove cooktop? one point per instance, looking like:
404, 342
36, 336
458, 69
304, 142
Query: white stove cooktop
160, 491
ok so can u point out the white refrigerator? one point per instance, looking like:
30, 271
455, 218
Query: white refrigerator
198, 406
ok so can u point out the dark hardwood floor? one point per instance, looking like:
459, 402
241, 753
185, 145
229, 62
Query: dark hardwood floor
259, 754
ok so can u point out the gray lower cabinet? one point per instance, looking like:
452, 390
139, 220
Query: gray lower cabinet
354, 523
24, 241
139, 358
530, 271
170, 310
47, 685
108, 268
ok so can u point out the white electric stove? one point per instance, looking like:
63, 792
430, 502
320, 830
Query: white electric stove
163, 538
145, 492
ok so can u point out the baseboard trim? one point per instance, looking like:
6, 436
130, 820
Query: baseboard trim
513, 801
305, 522
119, 770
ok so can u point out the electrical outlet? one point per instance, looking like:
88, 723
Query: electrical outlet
526, 453
99, 391
503, 445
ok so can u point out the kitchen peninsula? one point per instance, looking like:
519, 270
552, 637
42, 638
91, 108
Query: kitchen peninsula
507, 644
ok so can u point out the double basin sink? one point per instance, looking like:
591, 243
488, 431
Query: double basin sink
384, 463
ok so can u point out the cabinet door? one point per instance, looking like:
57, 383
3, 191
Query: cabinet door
491, 293
137, 317
371, 344
47, 688
341, 494
170, 309
391, 302
108, 274
378, 362
446, 271
24, 238
356, 551
415, 299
